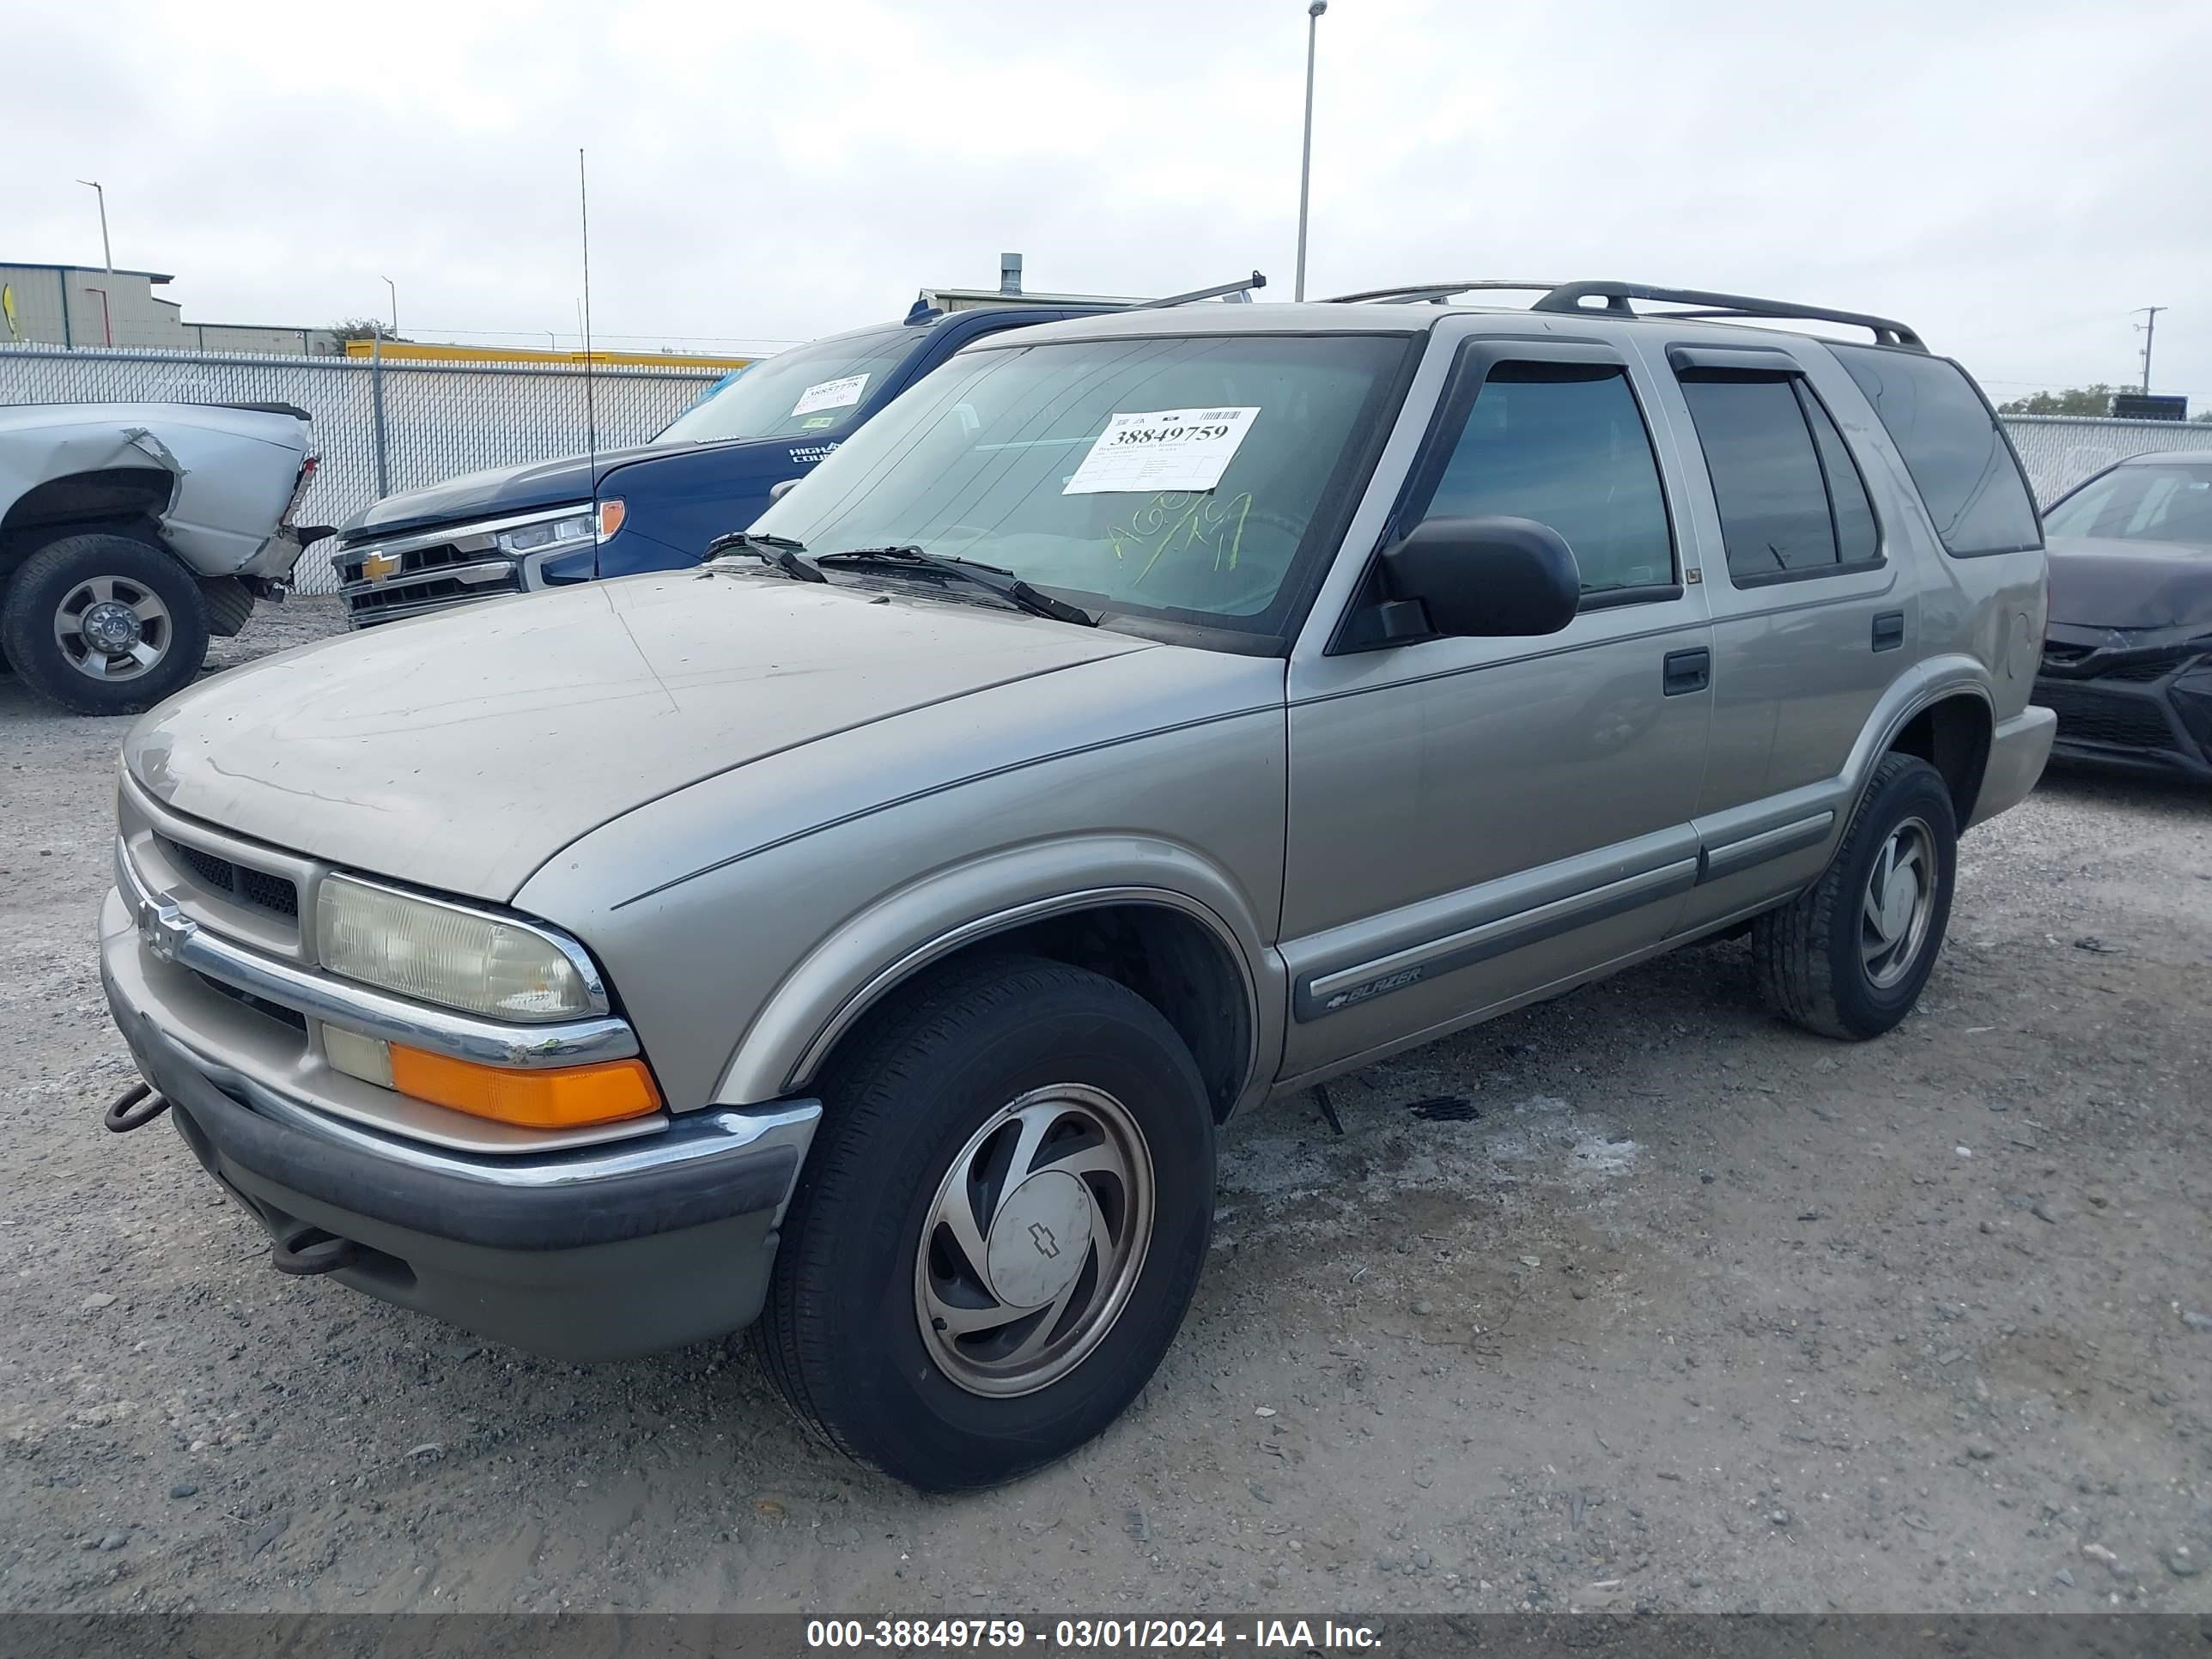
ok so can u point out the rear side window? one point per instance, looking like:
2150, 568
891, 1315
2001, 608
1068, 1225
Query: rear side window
1564, 444
1790, 498
1953, 447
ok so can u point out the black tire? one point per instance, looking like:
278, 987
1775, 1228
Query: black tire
1810, 956
842, 1334
58, 574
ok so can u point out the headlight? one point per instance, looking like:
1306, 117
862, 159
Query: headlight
575, 529
444, 954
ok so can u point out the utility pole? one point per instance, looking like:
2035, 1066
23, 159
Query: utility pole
1305, 155
2149, 332
106, 255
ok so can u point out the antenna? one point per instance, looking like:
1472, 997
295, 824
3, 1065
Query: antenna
591, 407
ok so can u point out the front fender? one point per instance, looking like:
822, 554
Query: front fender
880, 946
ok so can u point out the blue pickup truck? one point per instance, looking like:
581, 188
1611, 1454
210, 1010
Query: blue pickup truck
656, 505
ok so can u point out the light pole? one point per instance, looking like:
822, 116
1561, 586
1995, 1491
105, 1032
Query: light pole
394, 286
1305, 156
106, 257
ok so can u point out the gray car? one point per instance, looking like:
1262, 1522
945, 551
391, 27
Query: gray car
1147, 716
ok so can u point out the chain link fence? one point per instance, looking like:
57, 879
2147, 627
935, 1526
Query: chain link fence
441, 420
437, 420
2059, 451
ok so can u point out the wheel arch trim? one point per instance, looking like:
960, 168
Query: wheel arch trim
853, 968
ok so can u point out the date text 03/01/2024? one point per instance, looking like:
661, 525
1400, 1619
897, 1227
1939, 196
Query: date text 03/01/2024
1074, 1635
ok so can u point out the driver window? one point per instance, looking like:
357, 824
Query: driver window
1564, 444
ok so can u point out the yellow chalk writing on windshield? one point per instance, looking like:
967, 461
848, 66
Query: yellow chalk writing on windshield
1195, 521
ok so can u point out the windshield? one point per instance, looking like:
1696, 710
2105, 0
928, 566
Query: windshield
2171, 503
806, 391
1177, 478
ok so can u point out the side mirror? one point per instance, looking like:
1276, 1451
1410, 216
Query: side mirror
1489, 578
777, 491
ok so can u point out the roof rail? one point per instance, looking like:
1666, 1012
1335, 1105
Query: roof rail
1241, 289
1569, 296
1434, 293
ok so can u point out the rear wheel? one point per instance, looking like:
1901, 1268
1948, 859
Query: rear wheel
1848, 956
999, 1227
104, 624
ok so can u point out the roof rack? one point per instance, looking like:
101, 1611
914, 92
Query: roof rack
1570, 297
1433, 292
1241, 289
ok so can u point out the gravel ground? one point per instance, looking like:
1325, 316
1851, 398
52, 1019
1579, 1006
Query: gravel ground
1688, 1310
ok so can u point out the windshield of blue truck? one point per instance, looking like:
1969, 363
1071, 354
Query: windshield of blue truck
800, 393
1177, 478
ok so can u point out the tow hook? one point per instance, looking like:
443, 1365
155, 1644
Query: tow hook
134, 1109
304, 1250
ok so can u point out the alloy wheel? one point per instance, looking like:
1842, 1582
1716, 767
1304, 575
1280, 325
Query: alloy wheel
111, 628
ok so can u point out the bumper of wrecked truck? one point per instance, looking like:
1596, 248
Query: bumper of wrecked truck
590, 1252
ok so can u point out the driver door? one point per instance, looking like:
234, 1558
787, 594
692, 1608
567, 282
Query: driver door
1475, 821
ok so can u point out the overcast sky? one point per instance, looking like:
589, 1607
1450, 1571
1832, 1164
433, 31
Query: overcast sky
2011, 179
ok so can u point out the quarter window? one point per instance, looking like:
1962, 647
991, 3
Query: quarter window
1952, 445
1790, 497
1564, 444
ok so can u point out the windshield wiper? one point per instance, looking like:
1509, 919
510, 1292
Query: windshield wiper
785, 555
1003, 582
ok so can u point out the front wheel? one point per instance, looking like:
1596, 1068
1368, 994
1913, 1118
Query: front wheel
1848, 956
1001, 1224
104, 624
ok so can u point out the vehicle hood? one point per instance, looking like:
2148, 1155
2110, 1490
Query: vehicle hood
503, 490
461, 751
2099, 582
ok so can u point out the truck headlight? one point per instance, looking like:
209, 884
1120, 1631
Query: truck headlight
588, 524
459, 958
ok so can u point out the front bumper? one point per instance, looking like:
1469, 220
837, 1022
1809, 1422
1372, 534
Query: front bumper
2139, 700
585, 1253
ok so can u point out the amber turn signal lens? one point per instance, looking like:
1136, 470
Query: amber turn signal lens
560, 1097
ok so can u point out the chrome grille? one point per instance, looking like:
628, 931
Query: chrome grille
432, 574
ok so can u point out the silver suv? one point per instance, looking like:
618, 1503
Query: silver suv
868, 932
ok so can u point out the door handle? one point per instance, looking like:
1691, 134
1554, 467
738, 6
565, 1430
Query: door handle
1888, 631
1688, 670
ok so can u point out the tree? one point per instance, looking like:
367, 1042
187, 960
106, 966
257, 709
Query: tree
364, 328
2075, 400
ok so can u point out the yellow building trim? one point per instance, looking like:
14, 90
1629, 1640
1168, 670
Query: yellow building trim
405, 351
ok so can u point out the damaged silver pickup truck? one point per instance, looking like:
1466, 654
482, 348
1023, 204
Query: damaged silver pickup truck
129, 533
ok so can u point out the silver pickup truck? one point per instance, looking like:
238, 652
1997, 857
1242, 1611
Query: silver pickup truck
867, 933
131, 532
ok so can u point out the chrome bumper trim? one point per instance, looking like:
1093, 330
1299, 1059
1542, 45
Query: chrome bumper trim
173, 936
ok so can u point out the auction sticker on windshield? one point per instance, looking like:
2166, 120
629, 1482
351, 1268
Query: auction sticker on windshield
831, 394
1161, 449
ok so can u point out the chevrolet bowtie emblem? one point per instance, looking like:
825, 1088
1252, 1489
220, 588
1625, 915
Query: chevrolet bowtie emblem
377, 566
1040, 1236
